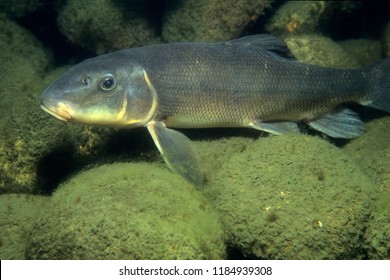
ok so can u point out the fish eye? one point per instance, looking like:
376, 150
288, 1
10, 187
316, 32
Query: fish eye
108, 82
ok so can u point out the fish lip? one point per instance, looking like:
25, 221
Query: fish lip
60, 113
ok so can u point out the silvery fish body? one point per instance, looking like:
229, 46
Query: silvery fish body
241, 83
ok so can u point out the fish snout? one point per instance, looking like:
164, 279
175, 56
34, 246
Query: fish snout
57, 109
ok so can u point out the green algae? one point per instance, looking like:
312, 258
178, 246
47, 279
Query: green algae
297, 17
320, 50
293, 197
377, 235
21, 8
209, 20
365, 50
127, 211
305, 17
23, 61
372, 151
102, 26
17, 215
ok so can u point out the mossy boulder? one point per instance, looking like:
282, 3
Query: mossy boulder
17, 215
102, 26
377, 235
293, 197
35, 147
21, 7
364, 50
320, 50
371, 151
208, 20
127, 211
23, 62
304, 17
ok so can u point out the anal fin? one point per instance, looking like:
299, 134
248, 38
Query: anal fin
177, 152
339, 124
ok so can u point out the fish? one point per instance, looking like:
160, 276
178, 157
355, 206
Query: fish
247, 82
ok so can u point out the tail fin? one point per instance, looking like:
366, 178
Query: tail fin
382, 99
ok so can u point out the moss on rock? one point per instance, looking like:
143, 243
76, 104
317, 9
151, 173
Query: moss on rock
102, 26
320, 50
127, 211
27, 137
371, 151
304, 17
297, 17
17, 215
293, 197
23, 61
377, 235
364, 50
209, 20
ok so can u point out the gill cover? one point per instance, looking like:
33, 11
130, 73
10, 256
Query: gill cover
140, 102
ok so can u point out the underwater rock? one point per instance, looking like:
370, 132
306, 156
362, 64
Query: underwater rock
103, 26
17, 215
320, 50
371, 151
377, 235
213, 153
303, 17
23, 60
364, 50
23, 63
127, 211
293, 197
208, 20
297, 17
28, 136
21, 7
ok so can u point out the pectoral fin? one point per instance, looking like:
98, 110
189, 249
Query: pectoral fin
177, 152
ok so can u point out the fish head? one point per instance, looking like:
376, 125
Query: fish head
106, 91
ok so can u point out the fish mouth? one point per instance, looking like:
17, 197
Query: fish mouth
61, 112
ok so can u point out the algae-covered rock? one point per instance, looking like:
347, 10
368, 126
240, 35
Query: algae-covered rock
377, 235
320, 50
27, 137
208, 20
213, 153
104, 25
371, 151
297, 17
23, 61
17, 215
21, 7
303, 17
364, 50
293, 197
127, 211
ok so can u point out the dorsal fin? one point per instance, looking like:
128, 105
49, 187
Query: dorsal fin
266, 42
